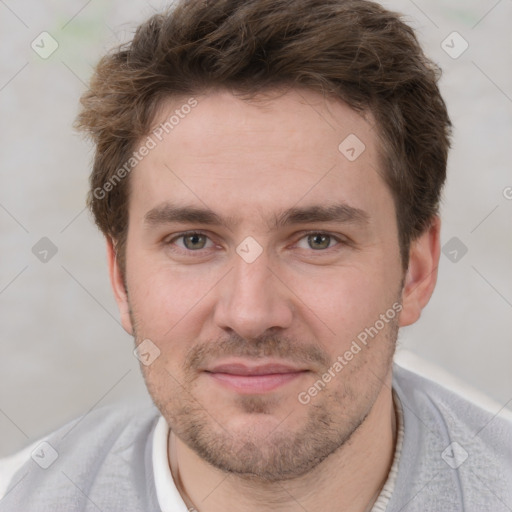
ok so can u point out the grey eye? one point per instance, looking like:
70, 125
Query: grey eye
319, 241
194, 241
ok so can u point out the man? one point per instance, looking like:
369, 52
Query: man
267, 176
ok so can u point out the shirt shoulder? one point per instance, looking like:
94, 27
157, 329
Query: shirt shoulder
457, 455
486, 420
106, 449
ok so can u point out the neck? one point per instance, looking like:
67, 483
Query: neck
350, 479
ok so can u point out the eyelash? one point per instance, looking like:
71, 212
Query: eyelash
170, 243
188, 252
338, 239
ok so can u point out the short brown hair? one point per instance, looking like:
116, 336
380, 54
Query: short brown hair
353, 50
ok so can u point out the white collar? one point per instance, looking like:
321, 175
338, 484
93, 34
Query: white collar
168, 496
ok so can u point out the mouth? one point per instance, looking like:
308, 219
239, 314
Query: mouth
247, 378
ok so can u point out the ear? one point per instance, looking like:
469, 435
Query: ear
117, 283
421, 276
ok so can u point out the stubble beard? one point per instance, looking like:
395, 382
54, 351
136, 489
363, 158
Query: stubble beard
281, 453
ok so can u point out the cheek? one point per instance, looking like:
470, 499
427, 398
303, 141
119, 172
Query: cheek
167, 310
344, 303
161, 297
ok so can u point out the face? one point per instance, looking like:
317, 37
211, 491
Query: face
259, 255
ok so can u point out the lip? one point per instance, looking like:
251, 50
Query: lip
250, 378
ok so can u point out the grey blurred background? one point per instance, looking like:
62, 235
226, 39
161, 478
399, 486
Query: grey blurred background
63, 351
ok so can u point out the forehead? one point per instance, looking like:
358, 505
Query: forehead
245, 157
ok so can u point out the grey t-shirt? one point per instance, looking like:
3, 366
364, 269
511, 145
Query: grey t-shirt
454, 457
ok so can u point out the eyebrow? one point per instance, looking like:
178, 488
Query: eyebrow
168, 213
330, 213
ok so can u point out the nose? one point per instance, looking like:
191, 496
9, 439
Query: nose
252, 300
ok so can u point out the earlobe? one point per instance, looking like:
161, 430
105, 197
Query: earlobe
118, 287
421, 276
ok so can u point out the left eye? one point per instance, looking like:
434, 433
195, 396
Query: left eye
317, 241
193, 241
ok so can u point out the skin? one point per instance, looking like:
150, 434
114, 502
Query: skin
248, 162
